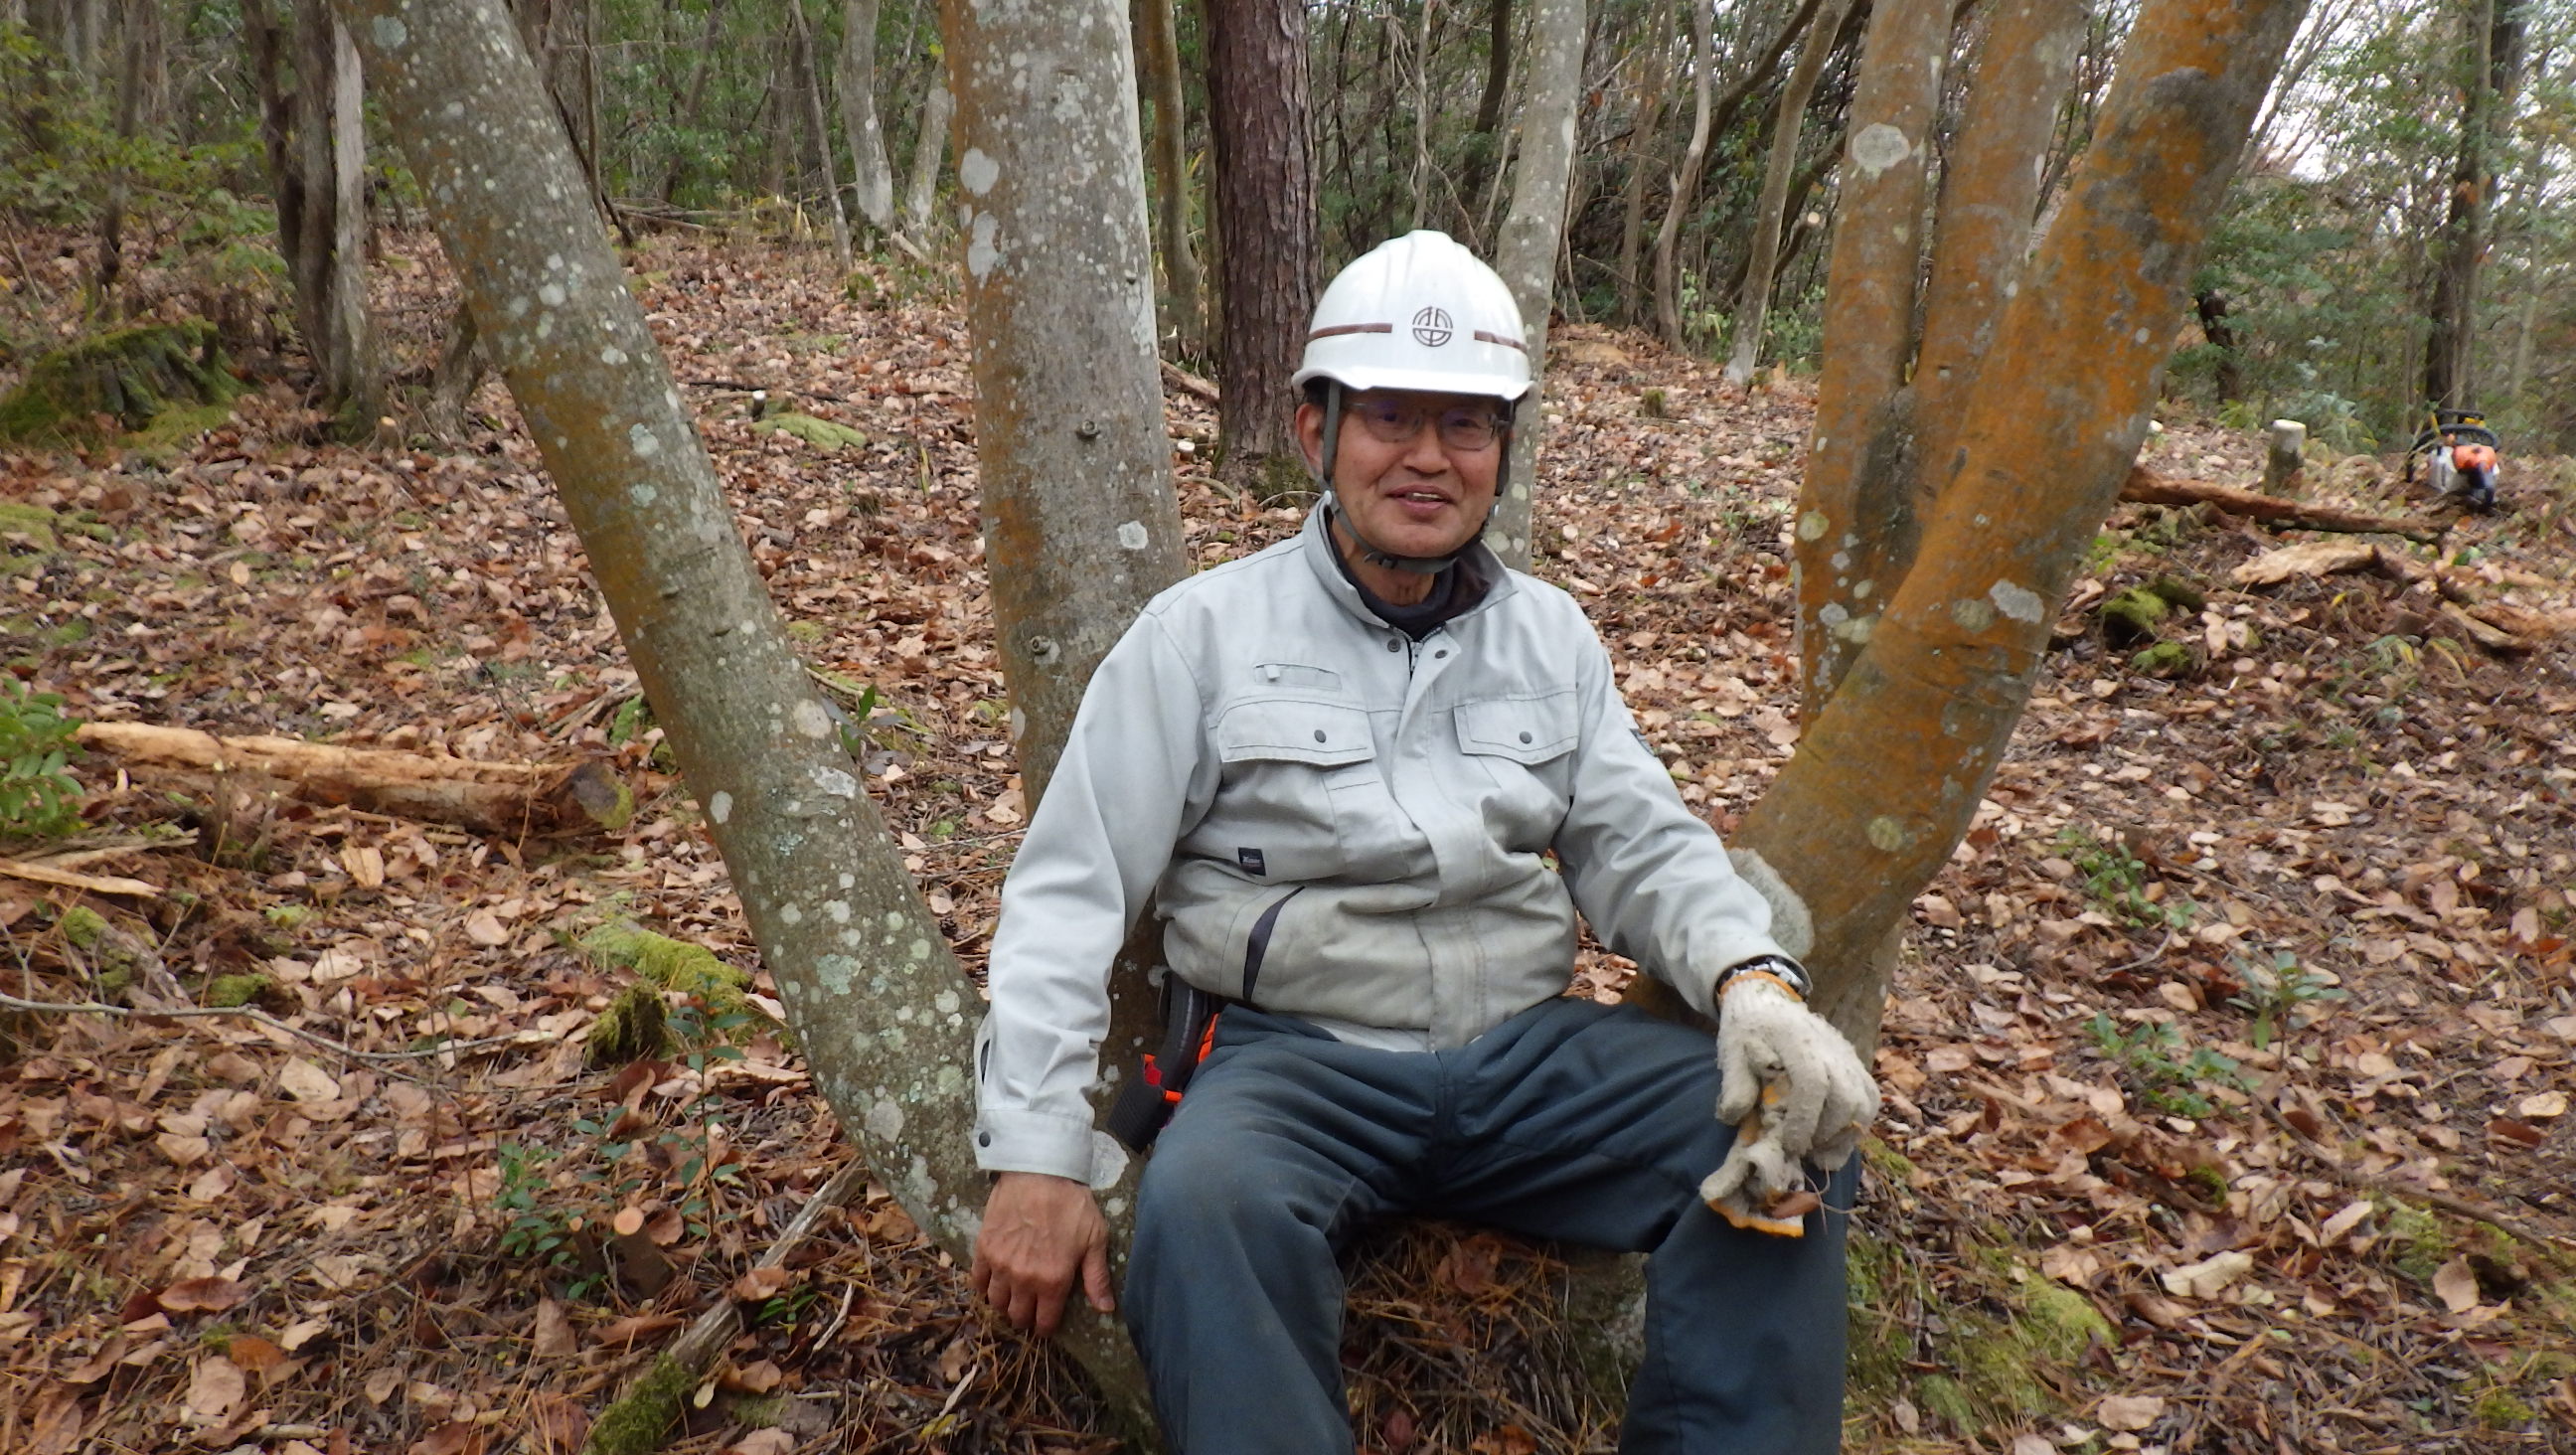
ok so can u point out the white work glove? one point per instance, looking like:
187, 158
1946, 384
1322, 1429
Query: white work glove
1794, 1089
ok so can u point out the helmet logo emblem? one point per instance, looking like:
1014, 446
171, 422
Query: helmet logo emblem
1432, 327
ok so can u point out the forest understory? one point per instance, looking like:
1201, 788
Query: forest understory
2228, 1068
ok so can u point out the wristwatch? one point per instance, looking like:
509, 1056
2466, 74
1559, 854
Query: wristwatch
1779, 967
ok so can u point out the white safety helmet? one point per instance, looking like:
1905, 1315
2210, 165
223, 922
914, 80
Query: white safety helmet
1418, 312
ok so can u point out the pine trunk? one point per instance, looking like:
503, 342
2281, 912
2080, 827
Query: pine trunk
1532, 234
1265, 204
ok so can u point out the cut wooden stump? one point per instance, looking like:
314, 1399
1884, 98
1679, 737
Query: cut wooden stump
2145, 487
487, 798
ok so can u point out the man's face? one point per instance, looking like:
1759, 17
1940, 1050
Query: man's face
1416, 471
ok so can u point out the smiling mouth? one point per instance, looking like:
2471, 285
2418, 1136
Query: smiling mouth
1422, 497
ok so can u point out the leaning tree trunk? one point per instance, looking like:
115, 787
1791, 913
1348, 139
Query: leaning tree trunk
880, 1006
1182, 285
930, 141
855, 76
1532, 232
1265, 204
1890, 769
1753, 305
1668, 312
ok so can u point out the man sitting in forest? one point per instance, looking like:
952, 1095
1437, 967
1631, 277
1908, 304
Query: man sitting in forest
1337, 769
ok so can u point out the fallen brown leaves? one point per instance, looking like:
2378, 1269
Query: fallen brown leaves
2098, 1069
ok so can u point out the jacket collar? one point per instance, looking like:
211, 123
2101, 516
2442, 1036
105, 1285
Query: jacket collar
1315, 543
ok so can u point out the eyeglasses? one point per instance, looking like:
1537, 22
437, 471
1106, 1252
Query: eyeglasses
1393, 419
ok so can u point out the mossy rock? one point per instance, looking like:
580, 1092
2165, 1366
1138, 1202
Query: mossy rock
83, 926
131, 377
822, 434
231, 992
2133, 615
670, 964
2177, 593
2166, 659
2419, 1245
634, 1028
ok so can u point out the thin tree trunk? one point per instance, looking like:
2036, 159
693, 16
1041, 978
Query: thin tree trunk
129, 105
1421, 119
1532, 235
1890, 770
822, 885
2494, 47
460, 369
818, 132
1498, 66
1989, 194
1668, 311
1161, 54
930, 142
1080, 523
1265, 208
1641, 161
871, 175
1848, 568
695, 104
1753, 305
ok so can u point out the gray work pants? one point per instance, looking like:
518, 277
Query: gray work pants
1587, 1123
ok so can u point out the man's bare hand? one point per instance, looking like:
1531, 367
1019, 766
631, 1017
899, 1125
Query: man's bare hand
1040, 1233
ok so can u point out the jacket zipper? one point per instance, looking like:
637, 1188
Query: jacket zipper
1256, 945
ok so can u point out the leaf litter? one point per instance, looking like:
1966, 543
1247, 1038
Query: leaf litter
2243, 1018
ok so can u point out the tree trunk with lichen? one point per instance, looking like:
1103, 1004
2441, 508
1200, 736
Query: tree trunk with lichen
307, 73
1925, 614
881, 1008
1668, 310
1753, 305
854, 77
1532, 232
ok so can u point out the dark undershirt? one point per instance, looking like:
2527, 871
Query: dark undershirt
1455, 590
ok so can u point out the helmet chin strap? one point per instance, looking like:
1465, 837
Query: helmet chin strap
1370, 551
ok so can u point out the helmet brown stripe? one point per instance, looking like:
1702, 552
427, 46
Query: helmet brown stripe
1338, 330
1495, 338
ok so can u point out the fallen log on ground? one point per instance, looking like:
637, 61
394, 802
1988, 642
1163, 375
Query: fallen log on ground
487, 798
2146, 487
2498, 626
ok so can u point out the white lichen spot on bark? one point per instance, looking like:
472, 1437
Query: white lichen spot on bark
612, 356
884, 1120
551, 295
1813, 525
641, 441
720, 807
920, 950
643, 493
977, 172
811, 719
946, 1001
1862, 591
1855, 631
790, 915
1019, 724
835, 782
1886, 835
837, 911
2017, 601
390, 33
981, 253
1131, 535
836, 973
1878, 147
1972, 615
1833, 615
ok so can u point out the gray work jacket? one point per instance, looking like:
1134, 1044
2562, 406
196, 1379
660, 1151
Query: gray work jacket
1339, 823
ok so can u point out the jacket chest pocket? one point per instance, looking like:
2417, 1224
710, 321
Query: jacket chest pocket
1275, 817
1523, 746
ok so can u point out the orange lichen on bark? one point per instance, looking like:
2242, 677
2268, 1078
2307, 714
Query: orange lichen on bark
1889, 773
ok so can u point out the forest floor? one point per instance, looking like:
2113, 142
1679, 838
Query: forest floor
2227, 1070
